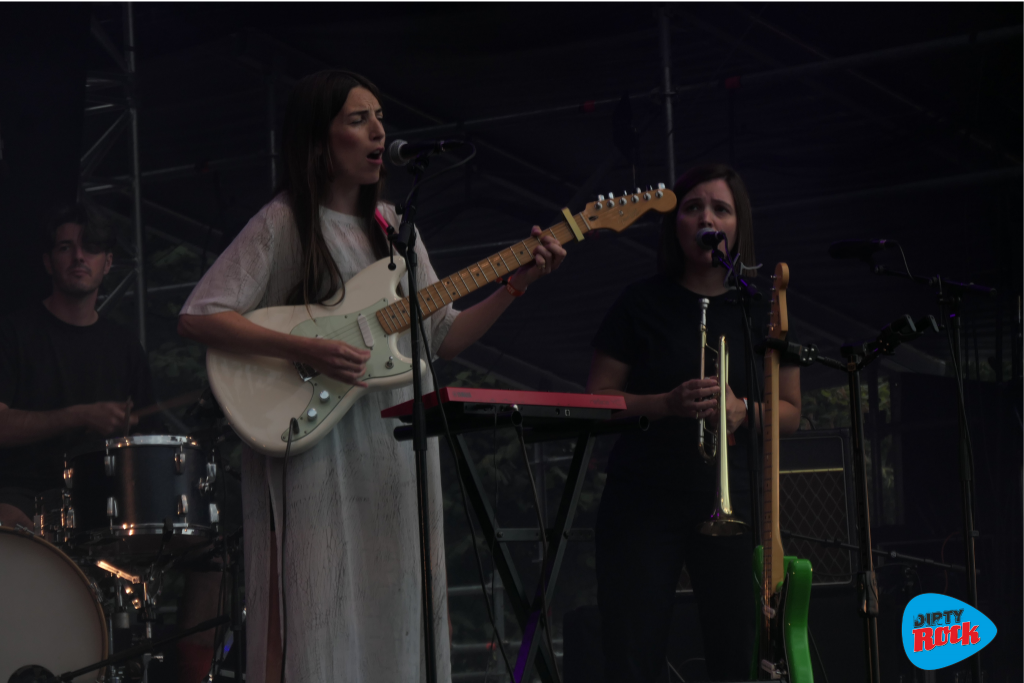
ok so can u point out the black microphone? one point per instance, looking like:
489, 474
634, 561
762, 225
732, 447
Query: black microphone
401, 152
859, 248
709, 238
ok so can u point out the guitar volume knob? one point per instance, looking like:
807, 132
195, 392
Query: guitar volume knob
325, 396
311, 414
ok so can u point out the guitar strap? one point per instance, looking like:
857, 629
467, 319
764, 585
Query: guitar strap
382, 222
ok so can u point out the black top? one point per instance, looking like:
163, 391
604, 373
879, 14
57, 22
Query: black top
654, 327
47, 364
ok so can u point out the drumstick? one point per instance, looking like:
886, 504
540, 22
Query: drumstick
128, 416
170, 404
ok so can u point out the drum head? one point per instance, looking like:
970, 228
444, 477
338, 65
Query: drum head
51, 617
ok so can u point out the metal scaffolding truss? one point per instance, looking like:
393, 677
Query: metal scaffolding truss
114, 93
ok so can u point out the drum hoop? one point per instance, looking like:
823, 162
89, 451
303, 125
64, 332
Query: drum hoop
81, 575
151, 440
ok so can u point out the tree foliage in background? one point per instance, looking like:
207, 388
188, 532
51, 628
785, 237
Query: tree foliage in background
829, 408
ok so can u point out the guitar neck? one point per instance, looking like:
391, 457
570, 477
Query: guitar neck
432, 298
770, 537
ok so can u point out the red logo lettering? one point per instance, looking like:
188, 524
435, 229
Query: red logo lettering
941, 636
923, 639
970, 635
954, 634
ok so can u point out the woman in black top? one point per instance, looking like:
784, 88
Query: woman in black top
659, 488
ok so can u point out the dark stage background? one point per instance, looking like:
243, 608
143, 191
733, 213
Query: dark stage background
847, 121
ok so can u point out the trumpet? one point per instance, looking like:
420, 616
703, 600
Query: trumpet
713, 443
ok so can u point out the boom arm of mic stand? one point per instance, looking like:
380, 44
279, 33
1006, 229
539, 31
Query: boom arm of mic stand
748, 287
948, 286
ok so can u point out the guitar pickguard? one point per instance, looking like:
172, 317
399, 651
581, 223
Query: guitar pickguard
329, 393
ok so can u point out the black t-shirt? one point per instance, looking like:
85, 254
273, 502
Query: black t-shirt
654, 327
47, 364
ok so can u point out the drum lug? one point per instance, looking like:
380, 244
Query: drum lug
214, 513
179, 461
206, 483
109, 463
67, 513
111, 506
183, 505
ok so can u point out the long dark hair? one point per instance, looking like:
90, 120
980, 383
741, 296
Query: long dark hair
670, 254
308, 172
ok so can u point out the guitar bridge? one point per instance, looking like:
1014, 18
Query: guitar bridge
306, 372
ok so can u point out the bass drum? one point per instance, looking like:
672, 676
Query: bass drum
50, 615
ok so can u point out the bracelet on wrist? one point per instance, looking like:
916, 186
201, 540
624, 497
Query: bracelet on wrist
510, 288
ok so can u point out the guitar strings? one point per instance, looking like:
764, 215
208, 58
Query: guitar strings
351, 335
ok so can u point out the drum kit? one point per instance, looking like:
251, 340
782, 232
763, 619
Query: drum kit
85, 581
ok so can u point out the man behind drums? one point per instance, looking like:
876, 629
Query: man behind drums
65, 373
68, 376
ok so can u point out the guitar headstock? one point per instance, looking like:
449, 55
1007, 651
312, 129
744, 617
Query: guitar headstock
779, 326
618, 213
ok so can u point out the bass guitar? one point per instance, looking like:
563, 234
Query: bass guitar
783, 582
259, 395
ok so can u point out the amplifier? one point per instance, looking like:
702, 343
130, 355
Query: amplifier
816, 498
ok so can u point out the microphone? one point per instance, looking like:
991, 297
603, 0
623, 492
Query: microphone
859, 248
401, 152
708, 238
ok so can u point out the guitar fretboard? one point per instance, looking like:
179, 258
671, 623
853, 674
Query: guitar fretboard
769, 499
432, 298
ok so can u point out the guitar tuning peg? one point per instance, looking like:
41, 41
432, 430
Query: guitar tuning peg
600, 197
638, 191
650, 188
611, 195
661, 186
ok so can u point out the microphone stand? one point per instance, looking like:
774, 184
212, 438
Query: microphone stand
950, 295
748, 294
857, 356
404, 241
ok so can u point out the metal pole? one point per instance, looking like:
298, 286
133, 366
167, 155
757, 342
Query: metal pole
775, 76
868, 582
272, 119
666, 66
874, 420
140, 258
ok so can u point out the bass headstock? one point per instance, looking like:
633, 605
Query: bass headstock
779, 325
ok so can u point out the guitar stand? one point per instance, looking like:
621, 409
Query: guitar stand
537, 424
856, 357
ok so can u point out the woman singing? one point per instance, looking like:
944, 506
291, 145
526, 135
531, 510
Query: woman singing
659, 488
351, 591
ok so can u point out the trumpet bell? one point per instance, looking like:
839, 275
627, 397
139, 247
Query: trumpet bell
721, 524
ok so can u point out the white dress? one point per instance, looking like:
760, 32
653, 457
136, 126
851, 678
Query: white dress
351, 573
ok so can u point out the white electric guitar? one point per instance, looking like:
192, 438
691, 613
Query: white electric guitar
259, 395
